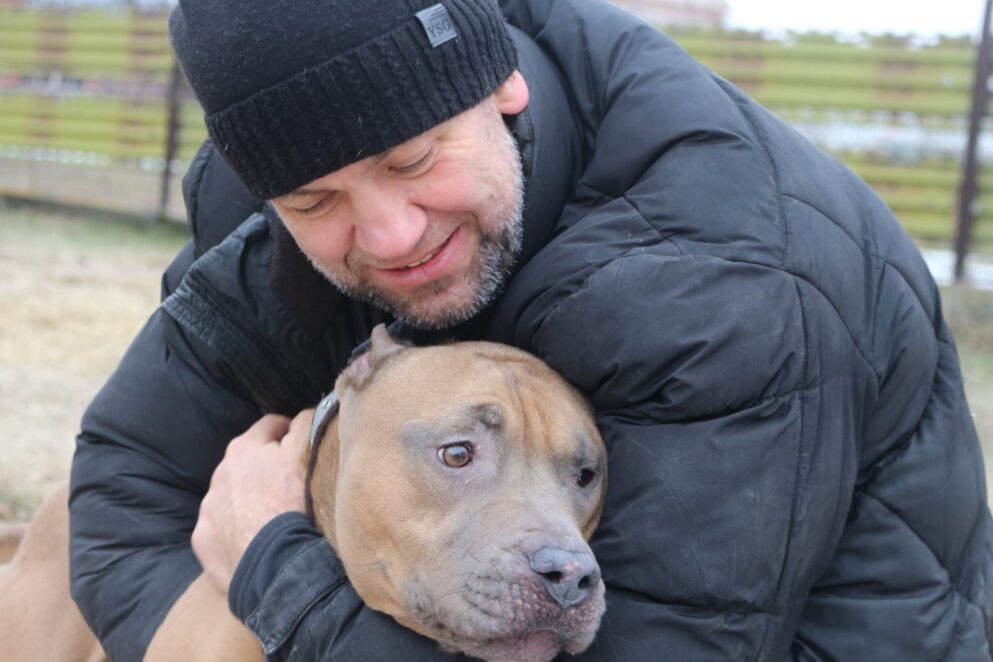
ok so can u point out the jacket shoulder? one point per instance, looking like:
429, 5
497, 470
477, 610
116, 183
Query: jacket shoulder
216, 200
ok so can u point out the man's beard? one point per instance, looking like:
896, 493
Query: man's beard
491, 266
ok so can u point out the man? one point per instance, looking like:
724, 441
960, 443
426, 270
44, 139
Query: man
793, 468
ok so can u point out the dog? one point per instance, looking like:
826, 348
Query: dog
467, 476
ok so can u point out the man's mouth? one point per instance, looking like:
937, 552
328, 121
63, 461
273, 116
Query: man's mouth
426, 259
438, 263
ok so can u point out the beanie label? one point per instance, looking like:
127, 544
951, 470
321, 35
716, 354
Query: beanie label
437, 24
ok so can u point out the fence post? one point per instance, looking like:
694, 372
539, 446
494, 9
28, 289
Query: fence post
967, 190
172, 136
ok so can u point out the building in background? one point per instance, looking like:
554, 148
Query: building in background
710, 14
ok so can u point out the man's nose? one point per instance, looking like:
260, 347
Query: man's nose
388, 226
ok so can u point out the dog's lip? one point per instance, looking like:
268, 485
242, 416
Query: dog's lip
533, 645
568, 624
565, 632
540, 644
525, 634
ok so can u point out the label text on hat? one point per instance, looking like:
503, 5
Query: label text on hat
437, 24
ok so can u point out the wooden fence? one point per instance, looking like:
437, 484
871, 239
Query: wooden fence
880, 84
88, 81
85, 89
84, 110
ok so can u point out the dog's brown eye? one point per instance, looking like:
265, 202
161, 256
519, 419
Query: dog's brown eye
456, 455
585, 477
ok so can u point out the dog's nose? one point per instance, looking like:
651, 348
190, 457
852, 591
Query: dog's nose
569, 577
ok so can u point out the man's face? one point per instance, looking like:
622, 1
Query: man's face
427, 230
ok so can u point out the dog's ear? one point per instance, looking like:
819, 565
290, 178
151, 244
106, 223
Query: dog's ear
382, 346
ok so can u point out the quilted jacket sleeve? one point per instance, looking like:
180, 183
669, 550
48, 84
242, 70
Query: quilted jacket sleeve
290, 589
731, 451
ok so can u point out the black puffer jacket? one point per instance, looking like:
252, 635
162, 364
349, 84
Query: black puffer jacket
793, 468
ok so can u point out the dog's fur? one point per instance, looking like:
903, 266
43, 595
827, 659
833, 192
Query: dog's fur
450, 546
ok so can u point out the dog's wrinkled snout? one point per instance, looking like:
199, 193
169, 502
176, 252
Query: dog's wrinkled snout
570, 577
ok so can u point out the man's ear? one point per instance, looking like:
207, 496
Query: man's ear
512, 96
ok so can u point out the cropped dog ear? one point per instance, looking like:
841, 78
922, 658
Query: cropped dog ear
382, 346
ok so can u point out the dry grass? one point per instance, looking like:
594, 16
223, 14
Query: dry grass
73, 293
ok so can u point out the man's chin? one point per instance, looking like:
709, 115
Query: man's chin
436, 308
436, 314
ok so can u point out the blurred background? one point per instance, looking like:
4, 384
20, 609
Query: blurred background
97, 127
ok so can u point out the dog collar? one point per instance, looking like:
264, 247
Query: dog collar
325, 412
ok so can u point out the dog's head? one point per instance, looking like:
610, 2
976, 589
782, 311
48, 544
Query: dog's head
458, 485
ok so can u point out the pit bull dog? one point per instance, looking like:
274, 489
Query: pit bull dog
468, 476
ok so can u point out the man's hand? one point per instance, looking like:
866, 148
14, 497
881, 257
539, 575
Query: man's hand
260, 477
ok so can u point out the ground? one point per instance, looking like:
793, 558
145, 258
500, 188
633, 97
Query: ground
74, 291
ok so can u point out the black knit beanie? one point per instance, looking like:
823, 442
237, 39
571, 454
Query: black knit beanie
295, 89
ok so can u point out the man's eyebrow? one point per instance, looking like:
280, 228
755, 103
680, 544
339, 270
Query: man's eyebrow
379, 158
303, 190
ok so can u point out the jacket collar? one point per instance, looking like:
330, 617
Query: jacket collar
551, 149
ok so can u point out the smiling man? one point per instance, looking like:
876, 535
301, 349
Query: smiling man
429, 229
794, 472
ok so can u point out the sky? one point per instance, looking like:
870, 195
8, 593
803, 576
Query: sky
922, 17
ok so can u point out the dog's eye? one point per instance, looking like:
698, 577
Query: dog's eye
456, 455
585, 477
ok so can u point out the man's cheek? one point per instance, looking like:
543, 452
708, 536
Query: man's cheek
328, 248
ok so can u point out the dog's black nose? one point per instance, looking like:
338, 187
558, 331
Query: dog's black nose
569, 577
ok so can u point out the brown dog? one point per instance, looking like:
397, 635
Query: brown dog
468, 476
40, 621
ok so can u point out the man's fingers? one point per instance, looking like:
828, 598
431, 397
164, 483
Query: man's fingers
302, 420
273, 426
255, 482
269, 428
297, 437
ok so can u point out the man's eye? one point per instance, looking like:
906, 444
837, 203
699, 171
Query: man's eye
415, 166
314, 208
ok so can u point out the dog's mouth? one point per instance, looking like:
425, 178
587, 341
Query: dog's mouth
515, 625
537, 646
